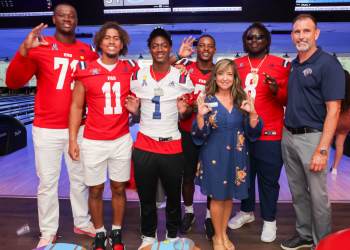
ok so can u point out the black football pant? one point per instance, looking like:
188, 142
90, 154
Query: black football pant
149, 167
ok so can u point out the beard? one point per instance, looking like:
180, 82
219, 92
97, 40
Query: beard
303, 46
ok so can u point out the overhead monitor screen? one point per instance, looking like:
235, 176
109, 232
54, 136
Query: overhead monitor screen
23, 8
322, 5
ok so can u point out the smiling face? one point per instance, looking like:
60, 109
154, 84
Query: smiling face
305, 34
224, 78
65, 19
111, 44
160, 50
256, 42
206, 49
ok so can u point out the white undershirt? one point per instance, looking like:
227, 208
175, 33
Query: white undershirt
108, 67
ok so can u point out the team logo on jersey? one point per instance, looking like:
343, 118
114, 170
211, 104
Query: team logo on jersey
241, 65
307, 71
172, 84
82, 51
144, 82
54, 46
95, 71
190, 71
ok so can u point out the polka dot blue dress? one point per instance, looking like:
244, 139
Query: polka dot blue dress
223, 169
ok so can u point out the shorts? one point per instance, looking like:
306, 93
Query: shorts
100, 156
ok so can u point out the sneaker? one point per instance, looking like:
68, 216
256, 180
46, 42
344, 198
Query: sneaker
296, 243
89, 230
100, 241
269, 231
46, 240
146, 241
115, 239
186, 223
209, 229
240, 219
334, 171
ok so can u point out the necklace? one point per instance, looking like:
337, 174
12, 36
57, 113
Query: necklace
254, 71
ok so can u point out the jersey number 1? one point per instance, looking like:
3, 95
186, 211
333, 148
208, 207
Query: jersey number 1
106, 89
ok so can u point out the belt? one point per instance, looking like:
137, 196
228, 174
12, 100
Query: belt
165, 138
303, 130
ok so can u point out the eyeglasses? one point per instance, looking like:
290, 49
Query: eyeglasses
256, 37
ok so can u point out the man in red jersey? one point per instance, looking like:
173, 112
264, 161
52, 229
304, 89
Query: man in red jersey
104, 84
53, 60
199, 72
265, 78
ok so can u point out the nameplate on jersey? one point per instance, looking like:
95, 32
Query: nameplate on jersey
158, 92
270, 132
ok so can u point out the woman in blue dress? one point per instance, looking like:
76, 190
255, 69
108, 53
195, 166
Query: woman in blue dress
226, 118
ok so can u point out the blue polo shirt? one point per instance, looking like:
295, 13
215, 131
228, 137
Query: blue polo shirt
319, 79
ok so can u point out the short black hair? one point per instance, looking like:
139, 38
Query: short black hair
208, 36
71, 4
159, 31
261, 27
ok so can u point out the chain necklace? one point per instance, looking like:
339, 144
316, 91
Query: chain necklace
254, 71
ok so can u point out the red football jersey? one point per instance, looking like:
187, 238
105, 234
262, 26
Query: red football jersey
268, 106
105, 94
53, 65
199, 80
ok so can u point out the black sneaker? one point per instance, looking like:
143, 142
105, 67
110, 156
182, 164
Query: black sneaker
296, 243
186, 223
115, 239
209, 229
100, 241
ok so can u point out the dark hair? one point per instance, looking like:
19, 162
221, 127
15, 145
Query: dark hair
237, 91
305, 16
158, 31
262, 28
208, 36
345, 104
124, 37
64, 3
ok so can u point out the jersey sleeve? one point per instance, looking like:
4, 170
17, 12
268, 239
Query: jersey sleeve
185, 83
20, 70
282, 82
92, 54
135, 86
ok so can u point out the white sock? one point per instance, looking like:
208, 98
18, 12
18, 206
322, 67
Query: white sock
101, 229
116, 227
207, 215
189, 209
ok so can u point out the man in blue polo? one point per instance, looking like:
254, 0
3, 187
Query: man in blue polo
316, 87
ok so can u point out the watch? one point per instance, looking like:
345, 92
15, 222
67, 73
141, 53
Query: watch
323, 151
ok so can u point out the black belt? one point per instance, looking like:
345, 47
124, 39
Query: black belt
303, 130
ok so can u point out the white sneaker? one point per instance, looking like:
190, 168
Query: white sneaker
89, 230
240, 219
334, 171
146, 241
269, 231
46, 240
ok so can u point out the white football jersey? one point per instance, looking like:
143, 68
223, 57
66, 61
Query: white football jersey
159, 113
